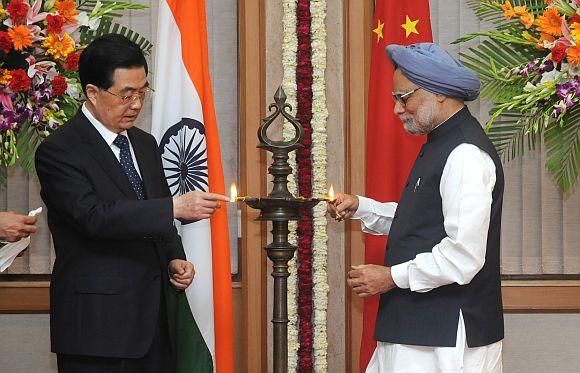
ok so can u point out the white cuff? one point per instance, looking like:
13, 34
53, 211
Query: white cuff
400, 274
364, 207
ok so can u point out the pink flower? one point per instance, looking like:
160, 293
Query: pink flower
34, 14
6, 100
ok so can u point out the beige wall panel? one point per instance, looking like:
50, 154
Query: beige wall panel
551, 226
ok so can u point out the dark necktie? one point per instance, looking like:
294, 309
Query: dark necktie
127, 163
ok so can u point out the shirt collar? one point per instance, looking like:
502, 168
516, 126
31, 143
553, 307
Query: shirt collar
106, 133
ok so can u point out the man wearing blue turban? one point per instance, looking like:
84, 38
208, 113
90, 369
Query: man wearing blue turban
440, 308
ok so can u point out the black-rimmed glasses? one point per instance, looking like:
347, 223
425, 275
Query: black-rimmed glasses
402, 98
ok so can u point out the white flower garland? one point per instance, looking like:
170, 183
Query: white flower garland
319, 158
289, 51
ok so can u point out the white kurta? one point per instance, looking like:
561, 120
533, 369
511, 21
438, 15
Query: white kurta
466, 189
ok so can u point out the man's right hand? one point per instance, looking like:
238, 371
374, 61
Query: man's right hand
14, 226
343, 206
196, 205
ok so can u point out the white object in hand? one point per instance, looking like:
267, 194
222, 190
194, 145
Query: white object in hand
10, 251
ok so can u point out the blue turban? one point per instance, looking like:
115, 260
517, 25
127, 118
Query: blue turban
430, 67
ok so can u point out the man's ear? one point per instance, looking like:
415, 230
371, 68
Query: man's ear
92, 92
440, 98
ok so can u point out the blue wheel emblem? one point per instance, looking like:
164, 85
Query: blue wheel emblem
184, 155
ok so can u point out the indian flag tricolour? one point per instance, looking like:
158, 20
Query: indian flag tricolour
185, 126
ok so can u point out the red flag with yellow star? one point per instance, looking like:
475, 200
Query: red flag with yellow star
390, 150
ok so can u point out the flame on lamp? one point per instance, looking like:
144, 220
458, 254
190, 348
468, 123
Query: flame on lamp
331, 193
233, 192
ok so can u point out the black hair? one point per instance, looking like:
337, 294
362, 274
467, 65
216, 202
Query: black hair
105, 54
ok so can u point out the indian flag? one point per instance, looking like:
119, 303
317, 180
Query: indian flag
185, 126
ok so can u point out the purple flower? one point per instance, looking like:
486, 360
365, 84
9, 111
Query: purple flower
528, 69
564, 89
561, 107
576, 85
3, 124
37, 115
545, 67
8, 121
40, 93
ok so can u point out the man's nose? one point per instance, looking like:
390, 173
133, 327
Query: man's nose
137, 103
399, 108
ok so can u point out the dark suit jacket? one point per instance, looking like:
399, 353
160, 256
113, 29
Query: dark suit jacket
112, 250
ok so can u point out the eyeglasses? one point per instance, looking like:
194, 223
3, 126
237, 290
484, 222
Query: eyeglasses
134, 97
402, 98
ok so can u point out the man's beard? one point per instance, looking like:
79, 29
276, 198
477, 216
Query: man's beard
424, 121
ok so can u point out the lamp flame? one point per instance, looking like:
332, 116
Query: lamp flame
331, 193
233, 192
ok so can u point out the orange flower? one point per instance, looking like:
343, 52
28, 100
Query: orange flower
574, 55
520, 10
527, 20
551, 22
20, 36
546, 37
508, 10
548, 1
5, 77
59, 46
575, 32
67, 9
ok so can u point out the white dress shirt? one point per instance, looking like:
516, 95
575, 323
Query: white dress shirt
110, 136
466, 186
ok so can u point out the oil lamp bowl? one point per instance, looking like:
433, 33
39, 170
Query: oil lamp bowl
281, 208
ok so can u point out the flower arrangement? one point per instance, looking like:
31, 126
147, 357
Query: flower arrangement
530, 69
40, 45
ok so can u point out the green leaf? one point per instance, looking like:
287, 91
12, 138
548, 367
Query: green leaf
109, 6
28, 141
510, 132
107, 26
563, 149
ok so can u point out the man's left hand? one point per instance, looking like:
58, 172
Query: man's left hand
181, 273
369, 279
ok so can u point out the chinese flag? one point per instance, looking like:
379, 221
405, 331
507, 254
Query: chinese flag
390, 151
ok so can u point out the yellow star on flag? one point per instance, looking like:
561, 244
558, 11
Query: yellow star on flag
410, 27
379, 30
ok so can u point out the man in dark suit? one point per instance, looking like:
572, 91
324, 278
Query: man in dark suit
111, 215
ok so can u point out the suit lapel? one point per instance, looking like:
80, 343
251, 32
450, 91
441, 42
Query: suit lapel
102, 153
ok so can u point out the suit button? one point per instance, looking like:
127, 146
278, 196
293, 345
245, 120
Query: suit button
421, 154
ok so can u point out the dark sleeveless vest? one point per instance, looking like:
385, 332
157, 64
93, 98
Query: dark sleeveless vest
431, 318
